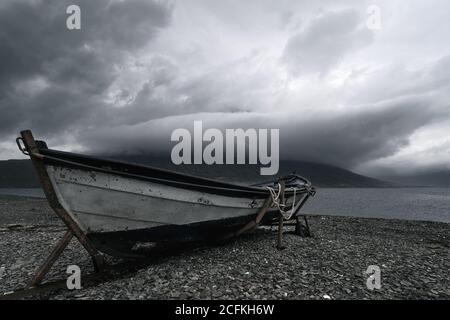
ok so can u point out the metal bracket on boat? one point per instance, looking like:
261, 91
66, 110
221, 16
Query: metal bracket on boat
21, 148
30, 148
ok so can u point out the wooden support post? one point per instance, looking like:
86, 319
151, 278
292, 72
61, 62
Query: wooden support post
300, 229
281, 219
254, 223
308, 232
50, 194
56, 252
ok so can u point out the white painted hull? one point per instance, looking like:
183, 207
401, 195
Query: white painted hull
114, 206
106, 202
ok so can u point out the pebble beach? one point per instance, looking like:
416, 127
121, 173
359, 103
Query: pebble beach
413, 256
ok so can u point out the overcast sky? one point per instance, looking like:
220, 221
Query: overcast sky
375, 101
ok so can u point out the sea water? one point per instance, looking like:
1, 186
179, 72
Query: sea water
431, 204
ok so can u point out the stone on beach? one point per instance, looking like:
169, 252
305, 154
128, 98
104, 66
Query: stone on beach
413, 257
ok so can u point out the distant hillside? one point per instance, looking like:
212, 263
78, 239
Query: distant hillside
17, 174
20, 174
321, 175
439, 178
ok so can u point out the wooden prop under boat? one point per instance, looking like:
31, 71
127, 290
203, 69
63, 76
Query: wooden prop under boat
112, 206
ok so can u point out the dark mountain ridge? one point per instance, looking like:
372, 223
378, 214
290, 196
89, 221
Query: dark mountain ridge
20, 173
437, 178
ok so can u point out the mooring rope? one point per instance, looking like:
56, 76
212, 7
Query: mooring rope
276, 201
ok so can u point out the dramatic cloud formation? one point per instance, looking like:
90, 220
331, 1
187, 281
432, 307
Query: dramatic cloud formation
339, 33
341, 93
53, 79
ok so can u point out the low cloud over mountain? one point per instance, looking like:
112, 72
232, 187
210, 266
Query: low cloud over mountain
375, 101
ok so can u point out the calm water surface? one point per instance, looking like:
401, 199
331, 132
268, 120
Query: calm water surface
431, 204
28, 192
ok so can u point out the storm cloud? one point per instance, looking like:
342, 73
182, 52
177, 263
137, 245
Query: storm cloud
339, 33
339, 92
53, 79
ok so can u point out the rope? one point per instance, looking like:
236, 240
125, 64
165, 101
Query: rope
276, 201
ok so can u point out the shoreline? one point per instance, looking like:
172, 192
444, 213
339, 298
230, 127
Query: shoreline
13, 197
413, 257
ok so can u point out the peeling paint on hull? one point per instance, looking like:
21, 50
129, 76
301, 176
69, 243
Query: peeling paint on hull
102, 202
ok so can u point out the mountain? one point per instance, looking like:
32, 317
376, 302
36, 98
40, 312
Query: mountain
323, 175
20, 173
438, 178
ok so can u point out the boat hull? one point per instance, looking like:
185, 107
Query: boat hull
108, 203
136, 242
117, 212
115, 207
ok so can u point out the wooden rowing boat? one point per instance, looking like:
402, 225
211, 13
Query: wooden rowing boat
116, 206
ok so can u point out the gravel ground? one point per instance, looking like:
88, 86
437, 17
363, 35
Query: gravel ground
414, 258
